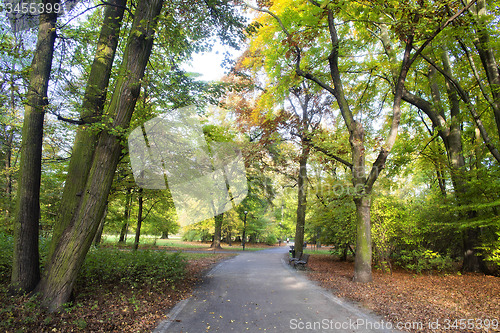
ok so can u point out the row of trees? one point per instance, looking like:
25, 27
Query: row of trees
371, 125
370, 57
129, 30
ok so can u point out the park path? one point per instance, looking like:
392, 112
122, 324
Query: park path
259, 292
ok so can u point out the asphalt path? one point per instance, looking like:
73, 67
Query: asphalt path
259, 292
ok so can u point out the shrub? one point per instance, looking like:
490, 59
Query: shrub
6, 250
271, 239
492, 251
111, 266
194, 235
424, 260
191, 236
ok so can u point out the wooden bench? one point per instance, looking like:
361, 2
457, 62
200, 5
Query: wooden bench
299, 262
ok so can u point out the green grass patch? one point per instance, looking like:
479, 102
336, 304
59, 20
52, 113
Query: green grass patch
318, 251
194, 256
151, 241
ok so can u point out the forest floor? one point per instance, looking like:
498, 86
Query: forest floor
421, 302
418, 300
107, 309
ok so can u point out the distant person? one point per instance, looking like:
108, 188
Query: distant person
287, 240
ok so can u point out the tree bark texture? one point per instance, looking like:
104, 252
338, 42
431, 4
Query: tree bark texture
98, 235
217, 231
69, 254
92, 107
301, 201
488, 60
25, 267
363, 258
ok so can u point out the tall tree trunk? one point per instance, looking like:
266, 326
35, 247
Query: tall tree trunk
487, 55
92, 107
126, 216
25, 267
69, 254
139, 220
451, 134
301, 201
164, 235
472, 262
363, 258
218, 231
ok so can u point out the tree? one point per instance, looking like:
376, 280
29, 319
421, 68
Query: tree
91, 111
25, 268
406, 23
63, 266
214, 17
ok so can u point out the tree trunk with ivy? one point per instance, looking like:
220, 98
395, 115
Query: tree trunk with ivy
69, 254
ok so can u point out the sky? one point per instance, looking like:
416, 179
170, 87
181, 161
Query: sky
209, 64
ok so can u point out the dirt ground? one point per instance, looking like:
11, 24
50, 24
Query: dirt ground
109, 309
417, 302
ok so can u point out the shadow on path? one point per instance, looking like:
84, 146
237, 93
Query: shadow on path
259, 292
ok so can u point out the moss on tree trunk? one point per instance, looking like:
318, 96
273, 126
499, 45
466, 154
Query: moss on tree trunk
92, 107
74, 243
363, 258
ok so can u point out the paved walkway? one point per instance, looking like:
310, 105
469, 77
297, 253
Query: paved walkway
259, 292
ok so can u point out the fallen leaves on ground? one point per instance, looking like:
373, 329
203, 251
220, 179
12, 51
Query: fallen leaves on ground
416, 301
105, 308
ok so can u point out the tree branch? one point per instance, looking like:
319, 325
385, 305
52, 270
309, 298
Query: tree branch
438, 31
472, 110
309, 142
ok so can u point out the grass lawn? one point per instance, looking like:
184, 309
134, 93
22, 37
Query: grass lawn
176, 243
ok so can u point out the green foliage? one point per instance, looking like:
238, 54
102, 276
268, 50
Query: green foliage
109, 266
6, 250
492, 251
194, 235
271, 239
333, 214
424, 260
